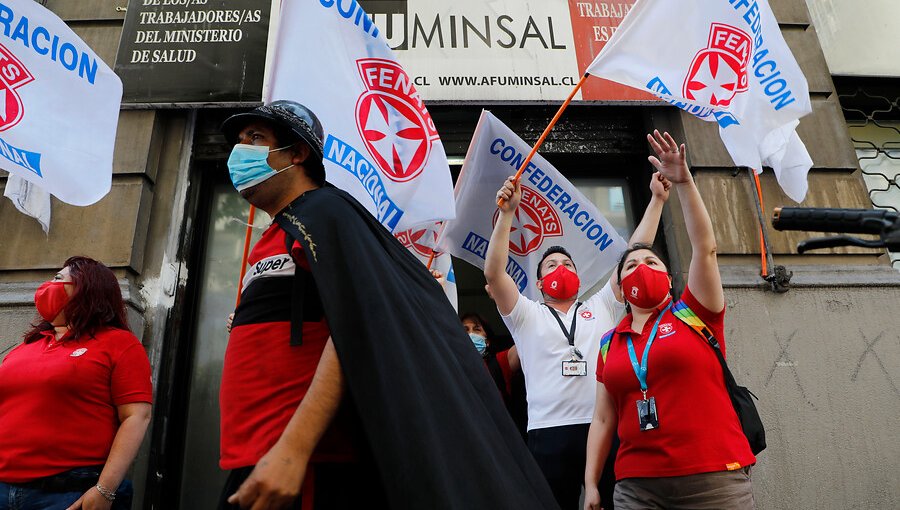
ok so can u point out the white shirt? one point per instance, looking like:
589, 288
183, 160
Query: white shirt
553, 399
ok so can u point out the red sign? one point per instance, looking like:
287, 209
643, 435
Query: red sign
593, 24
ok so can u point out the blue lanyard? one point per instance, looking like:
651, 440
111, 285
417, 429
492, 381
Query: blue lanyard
641, 370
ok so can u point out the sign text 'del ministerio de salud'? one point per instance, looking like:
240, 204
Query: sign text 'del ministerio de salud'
203, 51
187, 51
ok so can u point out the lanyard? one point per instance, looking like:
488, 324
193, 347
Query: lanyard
570, 334
641, 370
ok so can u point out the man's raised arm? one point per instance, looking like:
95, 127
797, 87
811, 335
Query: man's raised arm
502, 287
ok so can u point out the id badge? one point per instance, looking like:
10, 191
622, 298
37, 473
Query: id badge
647, 417
574, 368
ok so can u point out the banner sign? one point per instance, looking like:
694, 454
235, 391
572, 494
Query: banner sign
189, 51
59, 105
381, 145
552, 212
185, 51
500, 50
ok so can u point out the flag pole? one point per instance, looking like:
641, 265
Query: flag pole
764, 251
777, 276
250, 216
547, 131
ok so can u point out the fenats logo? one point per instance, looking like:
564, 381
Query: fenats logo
13, 75
719, 72
393, 121
535, 220
420, 240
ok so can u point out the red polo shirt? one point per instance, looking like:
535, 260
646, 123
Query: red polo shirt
58, 401
699, 431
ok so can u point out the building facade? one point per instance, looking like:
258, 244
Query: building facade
823, 357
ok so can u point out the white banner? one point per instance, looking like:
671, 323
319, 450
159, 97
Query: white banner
421, 241
724, 61
381, 145
552, 212
59, 105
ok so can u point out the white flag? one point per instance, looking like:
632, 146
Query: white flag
421, 241
29, 199
381, 145
725, 62
59, 105
552, 212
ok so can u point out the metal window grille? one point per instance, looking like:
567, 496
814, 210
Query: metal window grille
872, 111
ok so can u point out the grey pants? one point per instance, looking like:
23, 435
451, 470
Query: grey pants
706, 491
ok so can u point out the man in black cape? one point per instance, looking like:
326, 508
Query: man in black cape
436, 426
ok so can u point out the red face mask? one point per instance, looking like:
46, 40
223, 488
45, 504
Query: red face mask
50, 298
561, 283
645, 287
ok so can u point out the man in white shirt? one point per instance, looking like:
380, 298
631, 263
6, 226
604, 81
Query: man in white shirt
559, 342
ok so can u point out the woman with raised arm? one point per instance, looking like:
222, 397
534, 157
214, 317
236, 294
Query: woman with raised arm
74, 398
660, 385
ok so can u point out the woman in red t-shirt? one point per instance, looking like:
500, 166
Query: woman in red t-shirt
661, 387
74, 397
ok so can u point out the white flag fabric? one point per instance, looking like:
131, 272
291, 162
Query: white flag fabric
552, 212
29, 199
724, 61
59, 105
381, 145
421, 241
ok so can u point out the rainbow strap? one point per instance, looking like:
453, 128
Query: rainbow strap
604, 343
687, 316
680, 310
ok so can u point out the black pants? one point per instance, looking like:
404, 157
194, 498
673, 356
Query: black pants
560, 452
337, 486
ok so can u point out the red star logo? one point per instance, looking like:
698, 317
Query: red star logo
526, 233
716, 80
394, 135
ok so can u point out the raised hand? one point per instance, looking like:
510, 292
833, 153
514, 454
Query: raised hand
670, 159
659, 186
510, 194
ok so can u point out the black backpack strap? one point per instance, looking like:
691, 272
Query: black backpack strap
305, 303
297, 294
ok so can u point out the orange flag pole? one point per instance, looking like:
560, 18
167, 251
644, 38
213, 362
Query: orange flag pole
247, 236
547, 130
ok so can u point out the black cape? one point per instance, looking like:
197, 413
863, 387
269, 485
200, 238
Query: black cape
436, 424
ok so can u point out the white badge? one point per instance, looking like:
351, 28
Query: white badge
574, 368
78, 352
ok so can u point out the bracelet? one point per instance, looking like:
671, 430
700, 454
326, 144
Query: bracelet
106, 493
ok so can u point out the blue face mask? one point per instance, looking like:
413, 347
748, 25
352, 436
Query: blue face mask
248, 167
479, 341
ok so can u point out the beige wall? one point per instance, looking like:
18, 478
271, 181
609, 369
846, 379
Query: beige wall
830, 404
859, 37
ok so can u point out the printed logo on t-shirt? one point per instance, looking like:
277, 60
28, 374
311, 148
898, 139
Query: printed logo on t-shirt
666, 329
587, 315
276, 265
78, 352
